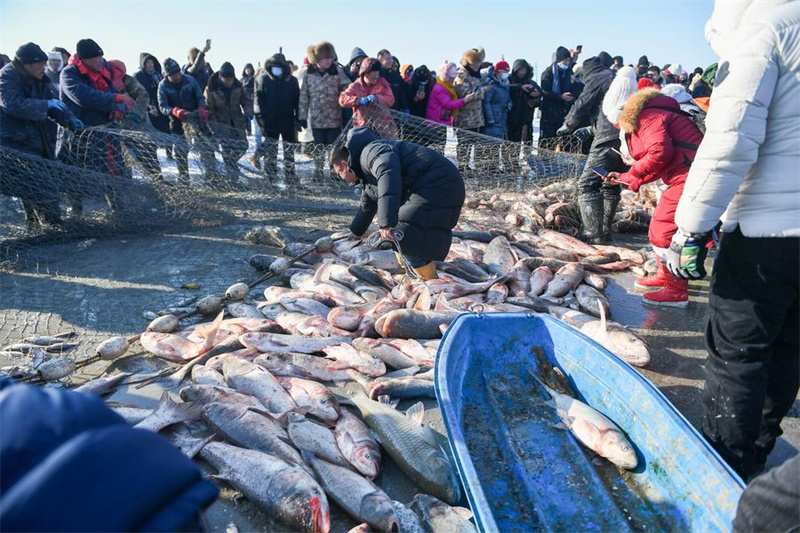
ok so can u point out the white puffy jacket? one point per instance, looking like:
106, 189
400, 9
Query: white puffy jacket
748, 165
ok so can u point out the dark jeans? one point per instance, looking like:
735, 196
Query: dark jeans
590, 185
753, 337
772, 501
325, 135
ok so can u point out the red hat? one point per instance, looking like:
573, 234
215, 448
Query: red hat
645, 83
501, 65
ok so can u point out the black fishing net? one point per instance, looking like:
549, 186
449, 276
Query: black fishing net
128, 220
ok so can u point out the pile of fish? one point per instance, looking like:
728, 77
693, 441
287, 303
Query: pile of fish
553, 207
293, 391
284, 439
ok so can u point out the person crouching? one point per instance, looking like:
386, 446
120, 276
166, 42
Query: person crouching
663, 141
409, 187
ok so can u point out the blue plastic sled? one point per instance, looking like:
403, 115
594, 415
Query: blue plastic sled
523, 471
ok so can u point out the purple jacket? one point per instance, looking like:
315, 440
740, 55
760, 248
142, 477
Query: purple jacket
441, 105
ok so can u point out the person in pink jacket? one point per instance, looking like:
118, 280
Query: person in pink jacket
443, 103
371, 99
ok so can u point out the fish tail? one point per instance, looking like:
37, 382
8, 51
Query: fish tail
175, 412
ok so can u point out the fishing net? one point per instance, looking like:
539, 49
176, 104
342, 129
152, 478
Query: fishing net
126, 216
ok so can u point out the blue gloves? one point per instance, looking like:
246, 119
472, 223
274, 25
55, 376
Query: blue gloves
57, 105
76, 125
366, 100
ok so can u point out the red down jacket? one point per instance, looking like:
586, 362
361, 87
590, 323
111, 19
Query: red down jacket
661, 139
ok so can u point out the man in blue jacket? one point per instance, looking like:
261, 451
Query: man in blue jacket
88, 91
27, 107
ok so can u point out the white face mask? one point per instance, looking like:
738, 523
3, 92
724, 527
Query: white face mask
504, 76
276, 71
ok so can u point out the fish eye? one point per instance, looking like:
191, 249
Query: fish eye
323, 401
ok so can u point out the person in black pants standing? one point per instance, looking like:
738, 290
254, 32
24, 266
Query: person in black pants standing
747, 174
557, 96
277, 100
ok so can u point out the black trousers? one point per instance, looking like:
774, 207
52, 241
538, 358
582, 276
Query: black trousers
753, 340
590, 185
269, 149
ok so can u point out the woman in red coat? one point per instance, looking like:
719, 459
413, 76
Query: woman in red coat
663, 142
371, 99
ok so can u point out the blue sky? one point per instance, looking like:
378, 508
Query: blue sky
415, 31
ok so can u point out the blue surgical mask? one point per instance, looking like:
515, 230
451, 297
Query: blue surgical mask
504, 76
276, 71
562, 66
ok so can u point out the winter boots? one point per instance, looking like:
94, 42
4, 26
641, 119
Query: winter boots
427, 272
591, 219
609, 211
656, 281
674, 294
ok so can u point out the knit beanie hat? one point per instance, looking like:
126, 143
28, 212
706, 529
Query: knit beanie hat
447, 71
678, 92
561, 54
645, 83
501, 65
622, 87
87, 49
643, 62
606, 59
369, 64
30, 53
227, 71
171, 66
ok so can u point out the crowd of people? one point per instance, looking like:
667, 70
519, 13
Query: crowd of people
46, 98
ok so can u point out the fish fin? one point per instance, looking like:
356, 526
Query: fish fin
416, 412
387, 401
603, 322
463, 512
376, 437
559, 425
547, 389
221, 476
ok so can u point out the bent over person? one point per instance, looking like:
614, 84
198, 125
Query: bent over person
409, 187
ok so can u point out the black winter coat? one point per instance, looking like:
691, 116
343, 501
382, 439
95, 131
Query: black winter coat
150, 83
24, 117
522, 103
554, 109
277, 100
409, 187
421, 77
399, 88
588, 107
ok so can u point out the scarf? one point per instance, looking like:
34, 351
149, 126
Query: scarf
453, 96
100, 80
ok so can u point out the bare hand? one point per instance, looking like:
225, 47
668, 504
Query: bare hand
207, 48
386, 234
567, 97
527, 87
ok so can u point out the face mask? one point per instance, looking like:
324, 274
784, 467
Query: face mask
563, 66
504, 76
276, 71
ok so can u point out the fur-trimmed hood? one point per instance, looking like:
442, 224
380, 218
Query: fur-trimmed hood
638, 102
324, 50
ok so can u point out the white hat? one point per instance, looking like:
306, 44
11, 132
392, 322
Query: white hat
621, 88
